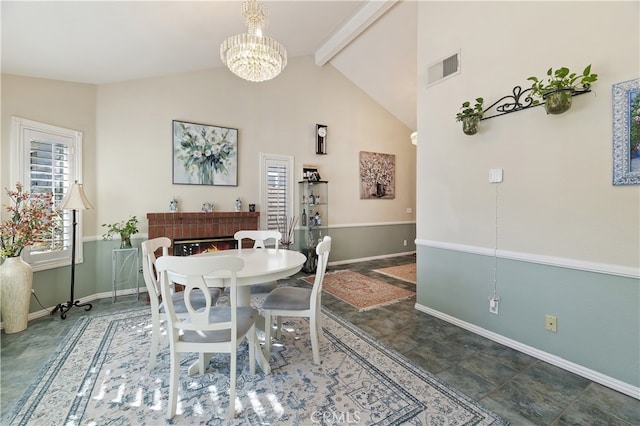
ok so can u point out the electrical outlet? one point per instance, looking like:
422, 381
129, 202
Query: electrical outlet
493, 304
551, 323
405, 243
33, 291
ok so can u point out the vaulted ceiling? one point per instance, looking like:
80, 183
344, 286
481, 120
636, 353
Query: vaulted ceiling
372, 42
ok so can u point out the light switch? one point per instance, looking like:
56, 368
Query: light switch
495, 175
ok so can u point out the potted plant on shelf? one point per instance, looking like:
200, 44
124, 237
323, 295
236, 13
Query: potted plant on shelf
124, 228
32, 221
470, 116
558, 88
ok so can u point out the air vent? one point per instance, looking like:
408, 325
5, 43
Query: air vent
443, 69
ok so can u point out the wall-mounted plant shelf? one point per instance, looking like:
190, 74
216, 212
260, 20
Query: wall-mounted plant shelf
520, 100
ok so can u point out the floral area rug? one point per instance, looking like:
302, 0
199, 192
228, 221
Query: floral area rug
360, 291
100, 376
403, 272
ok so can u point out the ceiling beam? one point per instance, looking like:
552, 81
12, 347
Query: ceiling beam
359, 22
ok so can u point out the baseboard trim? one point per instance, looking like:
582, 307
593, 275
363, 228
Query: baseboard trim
87, 299
105, 295
363, 259
562, 262
587, 373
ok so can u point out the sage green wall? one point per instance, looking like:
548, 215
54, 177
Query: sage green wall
598, 315
94, 277
558, 216
361, 242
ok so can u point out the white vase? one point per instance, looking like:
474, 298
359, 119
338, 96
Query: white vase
16, 278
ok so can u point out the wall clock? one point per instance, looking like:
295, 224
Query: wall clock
321, 139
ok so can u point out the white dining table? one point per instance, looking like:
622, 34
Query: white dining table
260, 266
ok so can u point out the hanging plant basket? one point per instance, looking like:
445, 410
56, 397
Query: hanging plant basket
470, 124
558, 101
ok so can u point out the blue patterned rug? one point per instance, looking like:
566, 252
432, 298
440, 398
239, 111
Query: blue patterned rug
359, 382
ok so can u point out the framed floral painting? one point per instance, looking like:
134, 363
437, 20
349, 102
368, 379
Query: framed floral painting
377, 175
626, 133
204, 154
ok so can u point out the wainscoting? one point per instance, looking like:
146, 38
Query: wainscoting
598, 315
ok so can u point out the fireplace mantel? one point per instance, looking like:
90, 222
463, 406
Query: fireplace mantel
179, 225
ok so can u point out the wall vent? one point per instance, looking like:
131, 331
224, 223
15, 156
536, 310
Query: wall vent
443, 69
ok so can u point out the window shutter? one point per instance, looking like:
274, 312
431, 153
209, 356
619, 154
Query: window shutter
277, 191
49, 172
49, 160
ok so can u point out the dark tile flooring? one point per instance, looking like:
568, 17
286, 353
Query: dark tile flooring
521, 389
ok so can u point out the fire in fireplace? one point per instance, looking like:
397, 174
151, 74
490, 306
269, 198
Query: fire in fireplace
202, 245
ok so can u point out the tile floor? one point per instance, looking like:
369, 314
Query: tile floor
521, 389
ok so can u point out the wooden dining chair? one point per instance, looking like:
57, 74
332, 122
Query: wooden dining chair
212, 329
152, 282
298, 302
260, 240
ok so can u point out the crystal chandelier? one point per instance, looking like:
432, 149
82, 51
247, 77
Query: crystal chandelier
253, 56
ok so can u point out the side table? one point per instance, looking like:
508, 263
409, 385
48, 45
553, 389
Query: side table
124, 270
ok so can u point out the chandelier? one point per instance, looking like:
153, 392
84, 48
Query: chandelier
253, 56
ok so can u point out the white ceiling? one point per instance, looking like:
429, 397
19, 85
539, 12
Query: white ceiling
101, 42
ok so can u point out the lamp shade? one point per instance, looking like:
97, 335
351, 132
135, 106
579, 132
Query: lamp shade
75, 199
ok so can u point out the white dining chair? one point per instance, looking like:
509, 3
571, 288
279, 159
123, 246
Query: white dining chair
212, 329
151, 280
260, 240
298, 302
260, 237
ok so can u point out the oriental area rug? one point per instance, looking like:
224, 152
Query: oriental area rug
99, 375
361, 292
403, 272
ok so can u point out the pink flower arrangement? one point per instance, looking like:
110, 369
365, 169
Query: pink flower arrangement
31, 218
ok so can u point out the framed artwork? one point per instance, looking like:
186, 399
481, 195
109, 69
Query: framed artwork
310, 173
204, 154
377, 176
626, 133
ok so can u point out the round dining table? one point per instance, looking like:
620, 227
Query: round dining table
260, 266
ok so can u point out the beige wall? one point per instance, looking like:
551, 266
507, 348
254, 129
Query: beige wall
557, 198
127, 137
133, 163
59, 103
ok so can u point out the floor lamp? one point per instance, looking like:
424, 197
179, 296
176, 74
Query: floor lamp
73, 200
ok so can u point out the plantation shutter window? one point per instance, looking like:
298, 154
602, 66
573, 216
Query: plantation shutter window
48, 160
276, 191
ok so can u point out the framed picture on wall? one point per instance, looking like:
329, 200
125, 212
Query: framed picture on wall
377, 175
204, 154
626, 133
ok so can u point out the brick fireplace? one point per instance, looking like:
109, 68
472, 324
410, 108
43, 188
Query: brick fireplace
199, 225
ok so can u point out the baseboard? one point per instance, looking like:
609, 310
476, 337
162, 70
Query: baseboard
44, 312
105, 295
587, 373
364, 259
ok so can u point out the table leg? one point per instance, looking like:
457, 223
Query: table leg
244, 299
